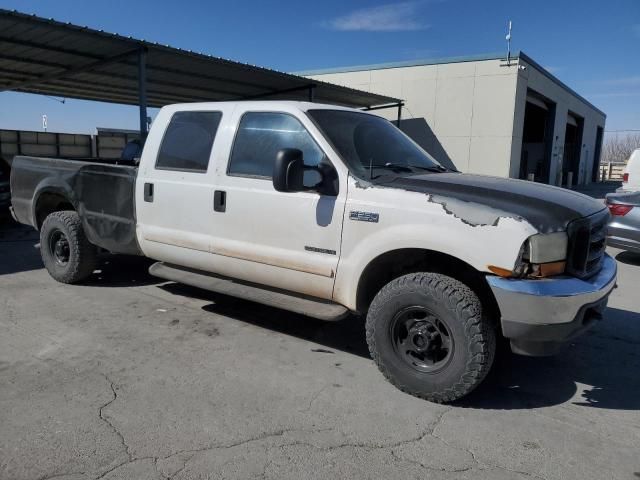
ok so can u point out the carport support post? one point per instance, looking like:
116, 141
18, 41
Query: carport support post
399, 114
142, 92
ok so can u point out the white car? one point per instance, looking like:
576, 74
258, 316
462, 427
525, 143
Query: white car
631, 174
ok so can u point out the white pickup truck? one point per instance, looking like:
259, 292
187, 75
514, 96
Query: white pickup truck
327, 211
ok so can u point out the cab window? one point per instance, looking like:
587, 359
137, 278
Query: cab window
260, 135
187, 142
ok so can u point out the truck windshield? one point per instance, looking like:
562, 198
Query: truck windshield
371, 146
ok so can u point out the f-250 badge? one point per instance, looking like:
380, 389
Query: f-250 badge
364, 216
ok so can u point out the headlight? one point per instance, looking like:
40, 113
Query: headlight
547, 255
541, 255
549, 247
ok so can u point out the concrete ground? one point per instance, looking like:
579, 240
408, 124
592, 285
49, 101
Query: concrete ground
132, 378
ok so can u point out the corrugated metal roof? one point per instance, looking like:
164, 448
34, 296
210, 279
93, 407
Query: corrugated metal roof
44, 56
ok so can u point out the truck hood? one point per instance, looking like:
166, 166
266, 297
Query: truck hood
481, 200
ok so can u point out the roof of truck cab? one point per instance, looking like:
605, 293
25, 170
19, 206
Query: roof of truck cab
48, 57
261, 104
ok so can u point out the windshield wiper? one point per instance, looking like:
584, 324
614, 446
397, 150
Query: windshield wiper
432, 168
394, 167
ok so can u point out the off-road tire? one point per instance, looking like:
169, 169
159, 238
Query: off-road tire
82, 254
474, 337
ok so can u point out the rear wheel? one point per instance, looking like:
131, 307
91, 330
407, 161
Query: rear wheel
66, 252
427, 334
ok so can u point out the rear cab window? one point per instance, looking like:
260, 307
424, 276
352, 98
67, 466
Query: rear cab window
187, 142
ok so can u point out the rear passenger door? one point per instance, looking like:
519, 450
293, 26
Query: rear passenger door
174, 189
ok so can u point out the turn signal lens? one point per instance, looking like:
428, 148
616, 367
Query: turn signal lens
550, 269
501, 272
536, 270
619, 209
625, 178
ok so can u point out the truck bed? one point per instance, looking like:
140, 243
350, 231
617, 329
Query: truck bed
102, 194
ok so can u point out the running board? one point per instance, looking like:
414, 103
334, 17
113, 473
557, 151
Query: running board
310, 306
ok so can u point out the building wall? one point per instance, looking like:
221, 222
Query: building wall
471, 113
462, 113
533, 78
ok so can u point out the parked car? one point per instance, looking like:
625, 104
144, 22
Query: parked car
631, 173
5, 194
324, 210
624, 225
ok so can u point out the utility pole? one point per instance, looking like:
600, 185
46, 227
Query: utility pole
508, 38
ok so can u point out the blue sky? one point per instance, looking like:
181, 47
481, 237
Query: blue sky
591, 45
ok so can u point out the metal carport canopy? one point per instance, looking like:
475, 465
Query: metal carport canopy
47, 57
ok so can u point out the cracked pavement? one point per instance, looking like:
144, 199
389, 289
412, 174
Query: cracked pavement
129, 377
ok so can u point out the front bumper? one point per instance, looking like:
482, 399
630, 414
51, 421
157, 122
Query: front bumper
538, 316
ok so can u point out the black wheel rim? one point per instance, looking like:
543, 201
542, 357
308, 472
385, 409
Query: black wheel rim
59, 247
421, 339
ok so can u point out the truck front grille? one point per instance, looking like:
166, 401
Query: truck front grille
587, 243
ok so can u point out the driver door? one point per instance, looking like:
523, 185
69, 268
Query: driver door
284, 240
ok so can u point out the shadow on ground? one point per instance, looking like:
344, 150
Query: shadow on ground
122, 271
18, 247
20, 252
604, 363
346, 335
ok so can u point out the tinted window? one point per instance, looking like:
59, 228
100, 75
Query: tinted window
260, 136
188, 140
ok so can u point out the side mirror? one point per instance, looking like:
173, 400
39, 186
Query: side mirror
288, 171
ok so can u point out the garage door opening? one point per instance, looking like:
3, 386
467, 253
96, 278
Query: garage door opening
596, 155
535, 157
572, 150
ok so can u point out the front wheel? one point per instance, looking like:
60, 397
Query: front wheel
66, 252
427, 334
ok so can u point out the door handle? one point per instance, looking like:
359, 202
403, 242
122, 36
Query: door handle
148, 192
219, 201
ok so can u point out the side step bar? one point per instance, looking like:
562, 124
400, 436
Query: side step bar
305, 305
